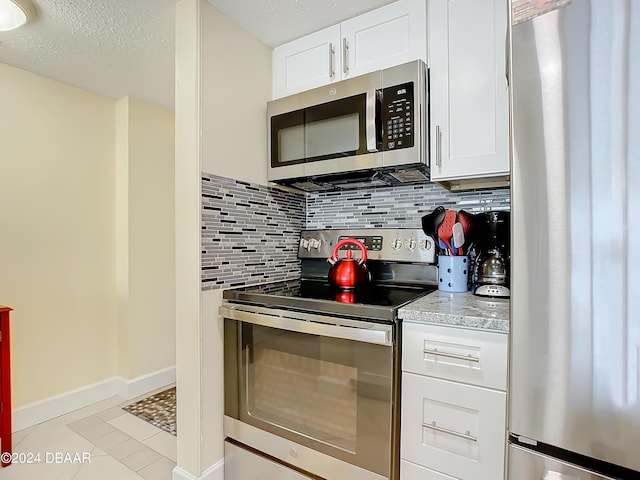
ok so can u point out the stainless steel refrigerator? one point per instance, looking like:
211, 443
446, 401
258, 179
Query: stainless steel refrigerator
574, 401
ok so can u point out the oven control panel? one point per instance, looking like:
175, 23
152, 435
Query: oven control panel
390, 244
372, 242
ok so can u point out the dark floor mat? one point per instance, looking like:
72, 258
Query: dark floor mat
158, 409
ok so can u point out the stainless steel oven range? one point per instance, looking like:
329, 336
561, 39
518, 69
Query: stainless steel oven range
312, 371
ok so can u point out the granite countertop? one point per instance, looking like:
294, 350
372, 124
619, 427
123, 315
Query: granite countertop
459, 310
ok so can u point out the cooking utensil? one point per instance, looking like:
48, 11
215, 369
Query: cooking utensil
429, 225
431, 222
445, 230
458, 237
443, 247
438, 218
466, 219
348, 272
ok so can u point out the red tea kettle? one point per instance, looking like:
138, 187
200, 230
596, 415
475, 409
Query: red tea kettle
346, 295
348, 272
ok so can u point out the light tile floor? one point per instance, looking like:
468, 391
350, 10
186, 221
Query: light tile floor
97, 442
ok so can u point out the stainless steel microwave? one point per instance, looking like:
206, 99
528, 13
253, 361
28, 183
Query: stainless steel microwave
369, 130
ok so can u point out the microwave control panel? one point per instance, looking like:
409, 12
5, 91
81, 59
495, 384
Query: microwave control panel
397, 116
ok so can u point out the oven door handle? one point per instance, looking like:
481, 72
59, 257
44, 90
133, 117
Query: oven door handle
327, 326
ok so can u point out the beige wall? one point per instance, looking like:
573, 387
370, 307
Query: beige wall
146, 242
57, 243
60, 263
236, 85
187, 220
223, 81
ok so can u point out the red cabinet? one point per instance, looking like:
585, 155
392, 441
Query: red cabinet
5, 384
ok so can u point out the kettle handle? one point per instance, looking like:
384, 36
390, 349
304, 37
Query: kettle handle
345, 241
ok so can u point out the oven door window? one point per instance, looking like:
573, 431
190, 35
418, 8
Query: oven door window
331, 394
330, 130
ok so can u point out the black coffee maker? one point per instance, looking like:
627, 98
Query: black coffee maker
491, 266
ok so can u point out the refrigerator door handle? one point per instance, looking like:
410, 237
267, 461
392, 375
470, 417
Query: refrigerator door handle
527, 441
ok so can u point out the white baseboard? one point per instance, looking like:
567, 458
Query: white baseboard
43, 410
214, 472
144, 384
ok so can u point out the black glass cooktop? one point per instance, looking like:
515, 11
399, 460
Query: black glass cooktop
369, 301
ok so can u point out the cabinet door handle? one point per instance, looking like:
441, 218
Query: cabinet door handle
466, 435
345, 56
332, 60
438, 146
438, 353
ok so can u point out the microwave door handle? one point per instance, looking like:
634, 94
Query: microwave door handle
372, 141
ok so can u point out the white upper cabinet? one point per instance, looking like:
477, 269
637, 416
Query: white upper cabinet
387, 36
468, 94
464, 44
307, 62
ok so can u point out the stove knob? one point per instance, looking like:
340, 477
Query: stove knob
411, 244
396, 244
314, 243
426, 244
304, 244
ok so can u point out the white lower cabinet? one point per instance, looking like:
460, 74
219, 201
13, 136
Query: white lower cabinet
452, 428
457, 354
413, 471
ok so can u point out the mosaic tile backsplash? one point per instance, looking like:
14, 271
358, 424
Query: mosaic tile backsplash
395, 207
250, 232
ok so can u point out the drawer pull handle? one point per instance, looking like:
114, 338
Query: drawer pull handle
436, 352
466, 435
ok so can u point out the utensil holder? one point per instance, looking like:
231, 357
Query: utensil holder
453, 273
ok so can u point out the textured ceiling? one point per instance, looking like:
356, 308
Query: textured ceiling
112, 47
120, 48
278, 21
